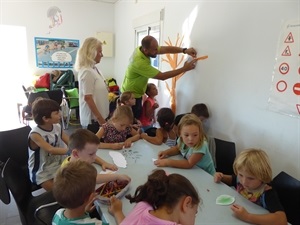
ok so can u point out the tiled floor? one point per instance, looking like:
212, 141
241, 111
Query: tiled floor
9, 213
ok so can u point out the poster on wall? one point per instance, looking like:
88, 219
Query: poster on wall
55, 52
285, 91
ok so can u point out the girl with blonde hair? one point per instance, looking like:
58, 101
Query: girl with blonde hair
192, 145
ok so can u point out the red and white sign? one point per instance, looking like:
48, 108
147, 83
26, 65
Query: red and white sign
289, 38
286, 52
284, 68
285, 91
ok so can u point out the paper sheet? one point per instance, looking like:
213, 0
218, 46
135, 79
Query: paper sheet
118, 159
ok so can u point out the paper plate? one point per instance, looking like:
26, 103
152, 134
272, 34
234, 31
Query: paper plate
225, 200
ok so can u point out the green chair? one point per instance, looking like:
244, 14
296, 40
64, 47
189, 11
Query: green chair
72, 100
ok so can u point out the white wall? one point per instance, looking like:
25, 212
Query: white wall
240, 37
81, 19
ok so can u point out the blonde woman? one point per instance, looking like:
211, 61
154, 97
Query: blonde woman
93, 102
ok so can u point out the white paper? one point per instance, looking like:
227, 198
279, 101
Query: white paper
118, 159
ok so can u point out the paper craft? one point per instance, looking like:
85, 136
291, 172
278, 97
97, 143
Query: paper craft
225, 200
118, 159
202, 57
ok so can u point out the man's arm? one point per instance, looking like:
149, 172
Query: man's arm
173, 49
173, 73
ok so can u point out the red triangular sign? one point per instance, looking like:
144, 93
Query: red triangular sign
298, 108
289, 38
286, 52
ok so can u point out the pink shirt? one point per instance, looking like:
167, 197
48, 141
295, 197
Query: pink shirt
140, 216
147, 121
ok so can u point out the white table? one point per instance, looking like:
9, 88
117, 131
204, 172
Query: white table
140, 165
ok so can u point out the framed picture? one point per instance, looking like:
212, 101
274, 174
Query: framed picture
55, 52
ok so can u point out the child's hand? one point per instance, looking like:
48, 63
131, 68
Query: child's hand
162, 155
161, 162
109, 166
218, 177
115, 205
117, 146
90, 206
240, 212
127, 144
143, 135
121, 177
155, 106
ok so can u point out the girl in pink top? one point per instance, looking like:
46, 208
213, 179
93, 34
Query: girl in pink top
162, 200
149, 106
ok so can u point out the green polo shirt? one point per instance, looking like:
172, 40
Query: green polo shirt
138, 73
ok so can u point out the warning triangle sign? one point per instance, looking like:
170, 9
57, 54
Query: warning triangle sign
298, 108
286, 52
289, 38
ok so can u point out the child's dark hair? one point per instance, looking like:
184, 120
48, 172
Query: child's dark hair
43, 107
149, 85
74, 183
165, 118
164, 190
200, 110
80, 137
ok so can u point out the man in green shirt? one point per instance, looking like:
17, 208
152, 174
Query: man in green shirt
140, 70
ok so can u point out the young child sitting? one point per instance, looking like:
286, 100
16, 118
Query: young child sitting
118, 129
47, 143
164, 134
199, 110
84, 145
192, 145
163, 199
252, 178
74, 189
127, 98
149, 106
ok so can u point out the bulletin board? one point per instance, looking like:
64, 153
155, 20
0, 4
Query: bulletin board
285, 91
55, 52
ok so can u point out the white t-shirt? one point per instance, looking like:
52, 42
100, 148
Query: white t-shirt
92, 83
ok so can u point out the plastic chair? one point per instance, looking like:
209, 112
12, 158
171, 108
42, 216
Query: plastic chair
45, 213
19, 186
14, 145
72, 99
225, 156
288, 190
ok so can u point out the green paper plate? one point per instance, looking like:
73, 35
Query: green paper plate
225, 200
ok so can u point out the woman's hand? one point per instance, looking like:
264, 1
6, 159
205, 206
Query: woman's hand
192, 52
127, 143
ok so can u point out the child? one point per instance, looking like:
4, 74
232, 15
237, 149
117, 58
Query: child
164, 134
149, 106
192, 145
199, 110
47, 144
84, 145
252, 178
163, 199
74, 189
127, 98
118, 128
